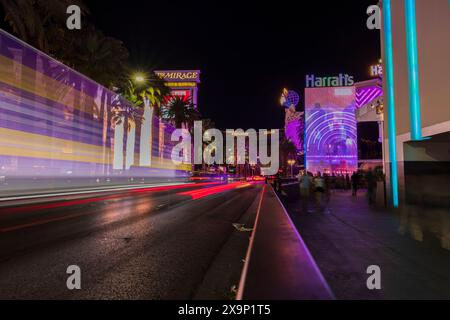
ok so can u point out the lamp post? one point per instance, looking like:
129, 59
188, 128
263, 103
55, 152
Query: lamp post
291, 162
139, 79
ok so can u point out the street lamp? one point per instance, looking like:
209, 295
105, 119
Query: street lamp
291, 162
139, 78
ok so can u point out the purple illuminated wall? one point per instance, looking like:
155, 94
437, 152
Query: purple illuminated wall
365, 95
54, 122
331, 132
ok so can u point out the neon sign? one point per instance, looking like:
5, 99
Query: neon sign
342, 80
376, 70
190, 75
182, 83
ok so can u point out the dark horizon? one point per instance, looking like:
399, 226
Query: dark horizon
247, 54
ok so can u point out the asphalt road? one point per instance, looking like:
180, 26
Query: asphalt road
163, 243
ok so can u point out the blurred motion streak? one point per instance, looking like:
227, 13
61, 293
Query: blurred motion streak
40, 207
59, 128
198, 194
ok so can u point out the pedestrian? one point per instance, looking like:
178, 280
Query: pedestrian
371, 186
355, 181
327, 184
333, 181
319, 187
347, 181
319, 183
305, 184
277, 182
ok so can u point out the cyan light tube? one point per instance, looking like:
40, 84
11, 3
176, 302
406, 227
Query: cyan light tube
392, 131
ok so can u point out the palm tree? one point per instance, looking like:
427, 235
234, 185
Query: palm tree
35, 21
288, 151
127, 112
42, 24
99, 57
181, 112
124, 117
154, 92
206, 125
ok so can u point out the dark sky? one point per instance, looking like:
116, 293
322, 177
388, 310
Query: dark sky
247, 51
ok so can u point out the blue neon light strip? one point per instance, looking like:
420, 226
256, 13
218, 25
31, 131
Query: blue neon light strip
413, 70
392, 131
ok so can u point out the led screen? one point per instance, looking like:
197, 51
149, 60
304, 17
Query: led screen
331, 130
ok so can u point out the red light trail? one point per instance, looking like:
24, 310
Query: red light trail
198, 194
40, 207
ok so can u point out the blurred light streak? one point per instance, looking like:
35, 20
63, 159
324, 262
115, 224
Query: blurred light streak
198, 194
47, 206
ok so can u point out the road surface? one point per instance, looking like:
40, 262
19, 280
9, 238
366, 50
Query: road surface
175, 242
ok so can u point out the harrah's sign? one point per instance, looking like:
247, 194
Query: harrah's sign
343, 80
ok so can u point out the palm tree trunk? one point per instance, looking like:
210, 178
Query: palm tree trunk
118, 145
131, 138
104, 116
145, 153
162, 127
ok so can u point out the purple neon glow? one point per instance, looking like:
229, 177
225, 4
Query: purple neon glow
366, 95
294, 127
294, 130
331, 132
55, 122
290, 99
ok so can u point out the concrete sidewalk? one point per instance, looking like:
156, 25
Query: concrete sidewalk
278, 264
345, 236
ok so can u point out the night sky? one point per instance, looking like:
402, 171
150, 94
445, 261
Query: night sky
247, 51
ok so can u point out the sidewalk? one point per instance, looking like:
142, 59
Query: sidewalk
345, 236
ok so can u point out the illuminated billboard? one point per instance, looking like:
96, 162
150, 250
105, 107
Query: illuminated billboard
182, 83
58, 124
331, 131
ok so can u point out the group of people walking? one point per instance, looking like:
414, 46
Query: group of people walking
320, 185
323, 183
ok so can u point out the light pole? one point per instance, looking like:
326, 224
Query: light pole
139, 80
291, 162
